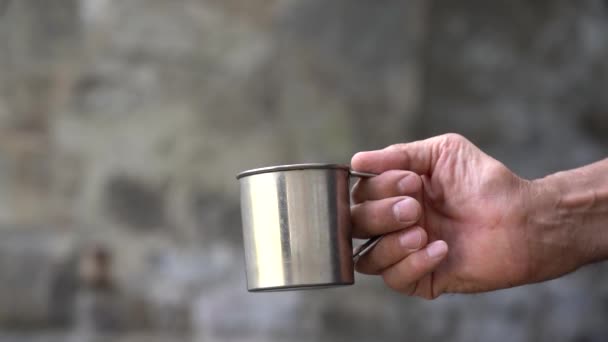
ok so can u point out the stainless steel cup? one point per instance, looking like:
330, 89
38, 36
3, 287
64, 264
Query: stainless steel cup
297, 227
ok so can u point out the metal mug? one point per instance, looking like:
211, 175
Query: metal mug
297, 227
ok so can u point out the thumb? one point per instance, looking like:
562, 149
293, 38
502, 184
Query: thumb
418, 156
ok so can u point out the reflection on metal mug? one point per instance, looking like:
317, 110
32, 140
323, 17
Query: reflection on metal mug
297, 227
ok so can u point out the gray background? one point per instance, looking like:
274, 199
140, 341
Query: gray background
123, 123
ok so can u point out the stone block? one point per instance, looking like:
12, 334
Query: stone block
38, 280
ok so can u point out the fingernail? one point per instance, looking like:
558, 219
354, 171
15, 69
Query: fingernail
437, 249
407, 184
406, 210
411, 239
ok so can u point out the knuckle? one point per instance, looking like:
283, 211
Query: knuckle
455, 137
400, 149
452, 141
395, 147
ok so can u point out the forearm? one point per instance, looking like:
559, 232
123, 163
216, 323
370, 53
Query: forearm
575, 209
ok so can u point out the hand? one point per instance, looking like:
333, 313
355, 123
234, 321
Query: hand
474, 213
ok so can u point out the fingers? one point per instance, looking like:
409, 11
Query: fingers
404, 275
379, 217
388, 184
419, 156
391, 249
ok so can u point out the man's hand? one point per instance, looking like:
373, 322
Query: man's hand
466, 224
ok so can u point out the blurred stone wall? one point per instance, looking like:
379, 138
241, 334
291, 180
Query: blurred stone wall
123, 124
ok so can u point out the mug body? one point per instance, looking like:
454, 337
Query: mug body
296, 227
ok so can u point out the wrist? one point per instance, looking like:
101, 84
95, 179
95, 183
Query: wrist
553, 245
583, 201
570, 216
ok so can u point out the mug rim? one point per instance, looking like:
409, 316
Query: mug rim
291, 167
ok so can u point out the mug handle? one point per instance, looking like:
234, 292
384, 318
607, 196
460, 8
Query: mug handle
371, 243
